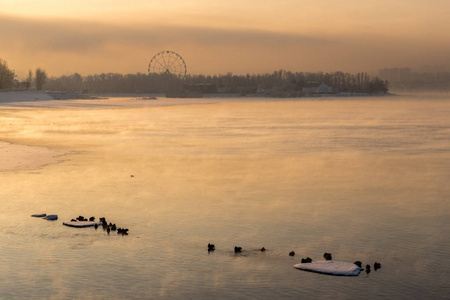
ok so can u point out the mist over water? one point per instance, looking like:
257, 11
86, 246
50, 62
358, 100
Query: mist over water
362, 178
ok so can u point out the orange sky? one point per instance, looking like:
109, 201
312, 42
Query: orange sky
216, 37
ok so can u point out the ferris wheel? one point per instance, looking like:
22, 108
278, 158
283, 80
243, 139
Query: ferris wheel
167, 62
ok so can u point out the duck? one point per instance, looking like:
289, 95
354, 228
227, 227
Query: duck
211, 247
358, 263
237, 249
123, 231
92, 219
376, 266
367, 269
113, 227
306, 260
327, 256
292, 253
103, 220
108, 230
263, 249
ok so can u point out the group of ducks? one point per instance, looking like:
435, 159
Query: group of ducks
326, 256
81, 219
211, 247
108, 227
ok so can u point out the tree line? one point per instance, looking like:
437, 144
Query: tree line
8, 80
282, 81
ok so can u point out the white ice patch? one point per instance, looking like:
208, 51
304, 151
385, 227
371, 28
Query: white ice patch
81, 224
332, 267
39, 215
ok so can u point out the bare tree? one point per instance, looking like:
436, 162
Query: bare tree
41, 77
27, 82
6, 76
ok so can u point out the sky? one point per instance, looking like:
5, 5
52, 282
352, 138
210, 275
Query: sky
217, 37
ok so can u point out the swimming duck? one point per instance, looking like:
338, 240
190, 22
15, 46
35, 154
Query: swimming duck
327, 256
237, 249
306, 260
263, 249
358, 263
292, 253
211, 247
123, 231
376, 266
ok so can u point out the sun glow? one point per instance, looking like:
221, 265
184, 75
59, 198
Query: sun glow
115, 36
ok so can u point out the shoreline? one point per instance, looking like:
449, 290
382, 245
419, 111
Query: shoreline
41, 99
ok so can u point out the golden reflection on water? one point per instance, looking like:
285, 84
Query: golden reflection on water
268, 174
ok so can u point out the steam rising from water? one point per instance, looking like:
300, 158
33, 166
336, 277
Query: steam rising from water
362, 178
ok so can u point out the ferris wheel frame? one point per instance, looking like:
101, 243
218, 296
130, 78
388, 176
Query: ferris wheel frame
167, 62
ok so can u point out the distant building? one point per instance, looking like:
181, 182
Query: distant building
316, 88
205, 88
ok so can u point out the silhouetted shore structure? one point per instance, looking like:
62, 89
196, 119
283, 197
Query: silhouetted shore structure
277, 84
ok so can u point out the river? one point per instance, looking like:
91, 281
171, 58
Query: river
362, 178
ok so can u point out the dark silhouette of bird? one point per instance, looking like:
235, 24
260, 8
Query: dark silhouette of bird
367, 269
237, 249
108, 230
327, 256
376, 266
92, 219
263, 249
103, 220
292, 253
306, 260
358, 263
211, 247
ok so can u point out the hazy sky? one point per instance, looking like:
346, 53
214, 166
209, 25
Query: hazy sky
238, 36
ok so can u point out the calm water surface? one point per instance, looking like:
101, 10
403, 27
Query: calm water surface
365, 179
